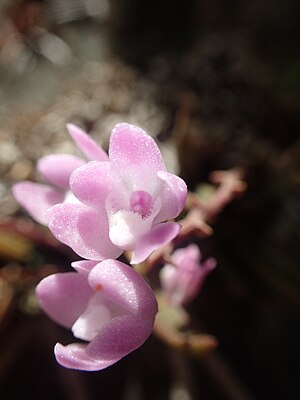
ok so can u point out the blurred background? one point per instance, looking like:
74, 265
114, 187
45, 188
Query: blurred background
217, 84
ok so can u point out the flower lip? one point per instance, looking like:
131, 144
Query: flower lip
141, 203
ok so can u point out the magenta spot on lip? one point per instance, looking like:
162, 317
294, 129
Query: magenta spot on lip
141, 202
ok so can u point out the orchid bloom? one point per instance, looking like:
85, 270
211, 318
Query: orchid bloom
182, 280
37, 198
108, 305
124, 202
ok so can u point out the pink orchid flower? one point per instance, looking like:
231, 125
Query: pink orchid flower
125, 202
182, 280
37, 198
108, 305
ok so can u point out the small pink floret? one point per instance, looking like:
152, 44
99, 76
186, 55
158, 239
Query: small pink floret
182, 280
108, 305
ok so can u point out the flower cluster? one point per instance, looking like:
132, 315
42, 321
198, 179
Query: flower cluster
101, 206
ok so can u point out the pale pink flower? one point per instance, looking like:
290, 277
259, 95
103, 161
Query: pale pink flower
108, 305
125, 202
37, 198
182, 280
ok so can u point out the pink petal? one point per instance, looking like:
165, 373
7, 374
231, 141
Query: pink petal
92, 183
120, 337
193, 281
173, 196
74, 356
37, 198
84, 229
168, 276
125, 287
86, 144
117, 339
64, 296
131, 147
84, 266
57, 169
159, 235
210, 264
188, 258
